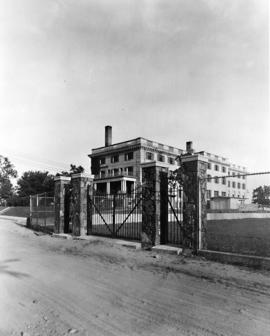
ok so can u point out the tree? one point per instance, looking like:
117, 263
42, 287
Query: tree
73, 170
7, 171
261, 195
35, 182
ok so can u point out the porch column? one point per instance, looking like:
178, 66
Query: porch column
123, 186
108, 188
59, 202
80, 183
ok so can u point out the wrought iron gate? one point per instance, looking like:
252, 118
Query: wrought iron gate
175, 216
67, 214
171, 211
118, 215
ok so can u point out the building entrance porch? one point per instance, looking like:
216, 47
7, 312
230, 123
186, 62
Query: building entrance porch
115, 185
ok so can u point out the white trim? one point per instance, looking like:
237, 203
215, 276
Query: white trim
195, 157
81, 175
62, 178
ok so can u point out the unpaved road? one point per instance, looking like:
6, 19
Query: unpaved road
50, 286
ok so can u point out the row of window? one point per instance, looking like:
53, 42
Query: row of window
216, 167
115, 158
232, 184
238, 175
118, 172
149, 156
224, 170
160, 158
217, 194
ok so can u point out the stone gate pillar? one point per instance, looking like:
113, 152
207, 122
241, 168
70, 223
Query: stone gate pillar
59, 202
151, 204
194, 206
79, 183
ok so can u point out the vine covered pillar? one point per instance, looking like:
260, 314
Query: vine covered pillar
79, 212
60, 182
151, 204
194, 179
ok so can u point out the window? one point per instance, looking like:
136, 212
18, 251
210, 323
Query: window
115, 172
102, 160
223, 169
216, 167
223, 180
208, 178
238, 185
216, 179
149, 156
233, 173
171, 160
129, 156
229, 183
229, 173
115, 158
102, 173
130, 171
243, 186
223, 194
171, 149
209, 166
161, 158
208, 195
244, 177
233, 184
215, 193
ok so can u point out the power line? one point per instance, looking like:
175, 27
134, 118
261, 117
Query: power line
236, 176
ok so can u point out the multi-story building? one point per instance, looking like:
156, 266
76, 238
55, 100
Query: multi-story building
224, 178
118, 167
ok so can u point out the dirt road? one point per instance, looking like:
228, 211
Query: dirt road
50, 286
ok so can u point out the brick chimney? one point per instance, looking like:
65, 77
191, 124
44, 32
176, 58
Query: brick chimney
108, 136
189, 148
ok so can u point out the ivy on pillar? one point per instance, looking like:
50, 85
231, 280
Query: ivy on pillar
151, 204
193, 178
60, 183
79, 213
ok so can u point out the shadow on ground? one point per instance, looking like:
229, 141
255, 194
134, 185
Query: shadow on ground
4, 269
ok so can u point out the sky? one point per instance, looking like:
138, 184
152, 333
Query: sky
168, 70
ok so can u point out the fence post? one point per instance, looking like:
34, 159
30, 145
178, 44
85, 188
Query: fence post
59, 198
89, 208
31, 209
45, 208
114, 207
194, 195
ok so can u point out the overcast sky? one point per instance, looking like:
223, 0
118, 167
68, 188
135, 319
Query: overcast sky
170, 71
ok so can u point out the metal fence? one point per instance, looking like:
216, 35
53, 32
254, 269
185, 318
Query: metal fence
42, 210
116, 215
175, 216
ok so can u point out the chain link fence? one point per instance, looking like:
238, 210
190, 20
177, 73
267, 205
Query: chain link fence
42, 211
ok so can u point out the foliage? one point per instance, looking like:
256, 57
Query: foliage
7, 171
35, 182
73, 170
261, 195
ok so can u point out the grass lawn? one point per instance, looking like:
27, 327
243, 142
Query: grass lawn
17, 212
245, 236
